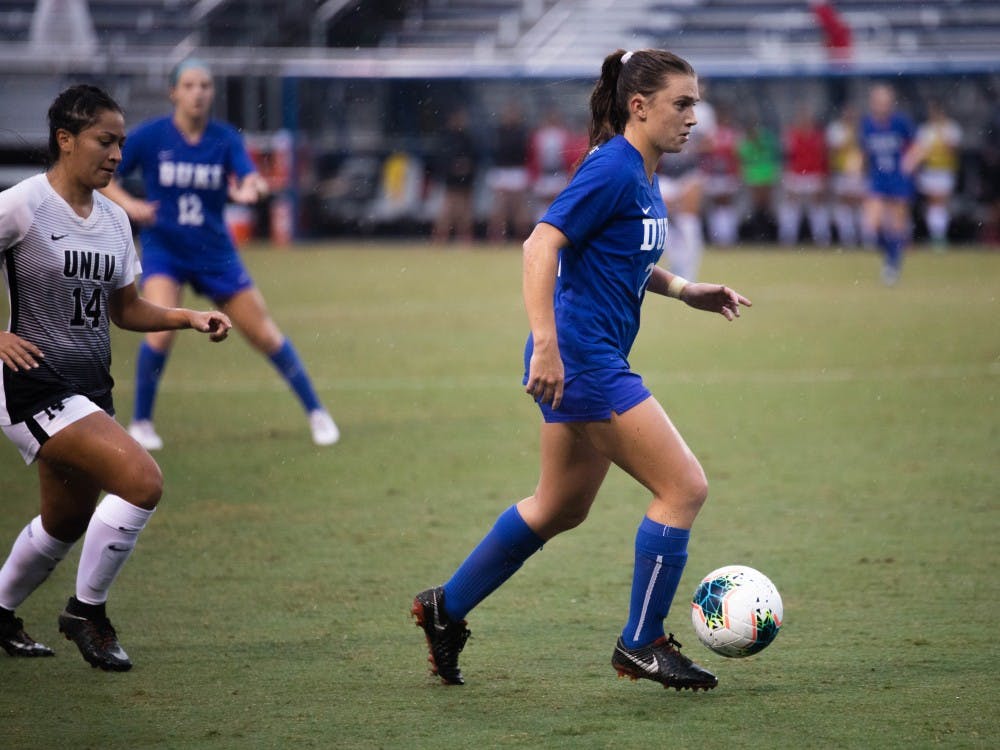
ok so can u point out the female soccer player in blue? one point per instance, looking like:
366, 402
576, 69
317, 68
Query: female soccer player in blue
886, 138
190, 165
587, 266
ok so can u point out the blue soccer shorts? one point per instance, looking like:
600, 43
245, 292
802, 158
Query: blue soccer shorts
219, 282
594, 395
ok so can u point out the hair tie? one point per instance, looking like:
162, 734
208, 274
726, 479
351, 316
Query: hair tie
627, 56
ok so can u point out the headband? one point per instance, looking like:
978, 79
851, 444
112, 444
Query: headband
191, 63
627, 56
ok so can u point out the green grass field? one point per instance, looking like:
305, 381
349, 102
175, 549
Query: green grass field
852, 442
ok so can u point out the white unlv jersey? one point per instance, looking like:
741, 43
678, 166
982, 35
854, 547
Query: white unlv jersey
60, 269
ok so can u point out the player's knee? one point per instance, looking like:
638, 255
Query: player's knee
692, 490
146, 488
570, 518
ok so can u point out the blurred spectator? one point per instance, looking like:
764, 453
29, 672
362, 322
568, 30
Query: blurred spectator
455, 168
721, 165
508, 178
936, 149
804, 181
836, 31
760, 164
400, 188
682, 185
551, 159
847, 180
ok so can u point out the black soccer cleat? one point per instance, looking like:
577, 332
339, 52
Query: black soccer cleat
661, 661
445, 637
95, 636
16, 642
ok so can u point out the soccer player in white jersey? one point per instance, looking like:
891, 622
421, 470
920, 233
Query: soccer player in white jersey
191, 165
67, 256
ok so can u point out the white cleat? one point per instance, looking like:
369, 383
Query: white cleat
324, 429
143, 432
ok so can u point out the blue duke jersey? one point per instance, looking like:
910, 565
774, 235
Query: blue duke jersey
60, 270
884, 144
190, 184
616, 224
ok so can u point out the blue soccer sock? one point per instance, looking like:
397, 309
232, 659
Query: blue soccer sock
660, 556
892, 248
286, 361
149, 366
495, 559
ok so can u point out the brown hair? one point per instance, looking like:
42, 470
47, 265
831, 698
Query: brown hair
642, 73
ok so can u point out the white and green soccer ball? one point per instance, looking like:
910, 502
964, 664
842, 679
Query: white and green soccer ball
736, 611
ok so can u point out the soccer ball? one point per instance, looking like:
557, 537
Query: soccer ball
736, 611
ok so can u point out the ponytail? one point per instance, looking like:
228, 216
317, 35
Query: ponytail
606, 119
622, 75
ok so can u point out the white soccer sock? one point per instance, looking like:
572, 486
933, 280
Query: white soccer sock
33, 557
685, 256
725, 225
937, 222
845, 218
789, 218
819, 224
110, 539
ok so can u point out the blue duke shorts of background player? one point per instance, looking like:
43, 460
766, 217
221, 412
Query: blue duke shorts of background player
593, 395
218, 282
898, 186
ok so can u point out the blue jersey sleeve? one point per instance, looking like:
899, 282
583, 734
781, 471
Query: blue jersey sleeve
240, 162
135, 144
593, 195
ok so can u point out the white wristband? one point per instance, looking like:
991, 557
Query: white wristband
676, 286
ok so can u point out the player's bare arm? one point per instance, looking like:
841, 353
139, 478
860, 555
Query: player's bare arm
139, 211
133, 313
701, 296
546, 374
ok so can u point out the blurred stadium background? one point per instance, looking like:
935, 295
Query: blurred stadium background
343, 101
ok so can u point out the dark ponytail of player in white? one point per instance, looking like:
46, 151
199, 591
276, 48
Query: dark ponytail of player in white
76, 109
622, 75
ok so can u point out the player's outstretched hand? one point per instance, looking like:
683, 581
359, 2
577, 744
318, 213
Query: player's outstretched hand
249, 190
715, 298
214, 323
17, 353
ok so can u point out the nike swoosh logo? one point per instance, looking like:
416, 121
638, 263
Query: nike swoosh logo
647, 209
651, 668
56, 237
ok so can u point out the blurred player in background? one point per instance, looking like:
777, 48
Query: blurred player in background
935, 150
760, 164
886, 136
551, 158
455, 168
191, 164
804, 181
682, 185
587, 266
70, 266
721, 168
847, 175
508, 177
